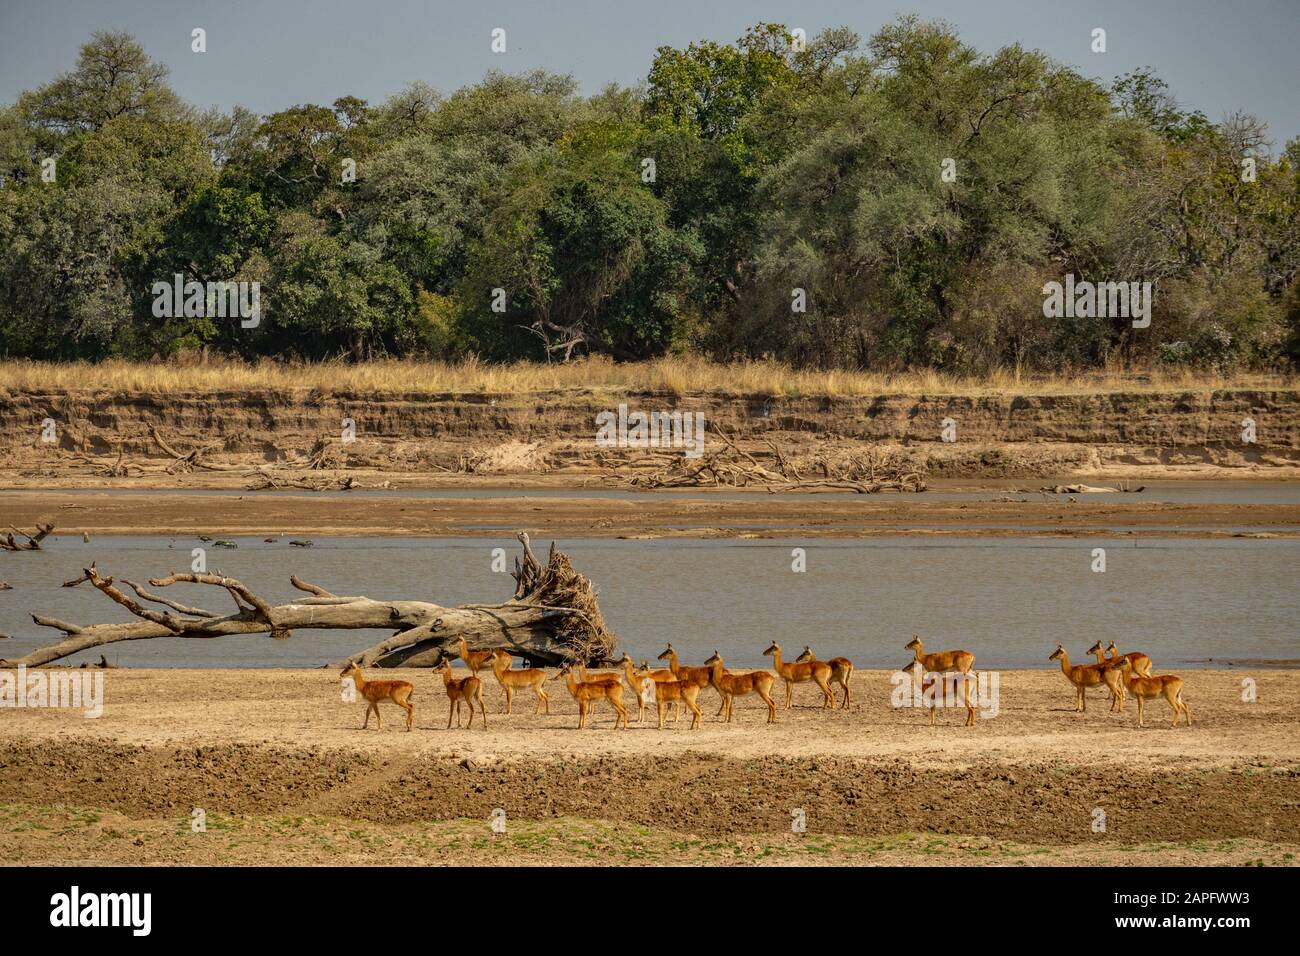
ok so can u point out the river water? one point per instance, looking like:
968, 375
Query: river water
1009, 600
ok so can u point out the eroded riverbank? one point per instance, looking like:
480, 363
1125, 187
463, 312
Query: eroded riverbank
278, 752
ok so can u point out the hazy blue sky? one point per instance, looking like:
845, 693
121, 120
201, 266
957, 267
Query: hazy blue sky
268, 54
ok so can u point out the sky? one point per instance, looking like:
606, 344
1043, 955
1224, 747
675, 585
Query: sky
270, 54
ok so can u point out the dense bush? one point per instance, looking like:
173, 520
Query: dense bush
898, 203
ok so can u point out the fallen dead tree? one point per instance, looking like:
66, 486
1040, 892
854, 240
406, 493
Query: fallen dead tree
553, 618
262, 480
33, 543
731, 466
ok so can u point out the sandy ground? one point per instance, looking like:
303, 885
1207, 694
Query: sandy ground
700, 515
284, 774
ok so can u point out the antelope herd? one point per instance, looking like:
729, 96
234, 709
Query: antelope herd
678, 686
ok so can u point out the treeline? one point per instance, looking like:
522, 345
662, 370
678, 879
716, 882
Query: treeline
899, 202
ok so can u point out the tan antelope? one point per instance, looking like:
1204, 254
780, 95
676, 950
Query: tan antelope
941, 661
1141, 663
1148, 688
926, 681
1082, 676
586, 693
374, 691
796, 673
731, 686
512, 680
475, 660
468, 689
1111, 675
696, 675
841, 670
678, 691
645, 692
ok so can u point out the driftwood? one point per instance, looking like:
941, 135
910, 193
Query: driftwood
553, 618
261, 480
732, 466
33, 543
1077, 489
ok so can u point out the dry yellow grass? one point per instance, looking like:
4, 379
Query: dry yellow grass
675, 375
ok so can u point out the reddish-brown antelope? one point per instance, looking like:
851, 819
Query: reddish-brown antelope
941, 661
587, 693
1148, 688
841, 670
1082, 676
696, 675
512, 680
674, 692
1110, 673
643, 685
468, 689
475, 660
374, 691
925, 682
1141, 663
731, 686
796, 673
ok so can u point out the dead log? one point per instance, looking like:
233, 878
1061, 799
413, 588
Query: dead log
33, 543
731, 466
553, 618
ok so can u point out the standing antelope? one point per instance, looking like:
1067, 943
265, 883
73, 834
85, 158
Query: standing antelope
468, 689
795, 673
926, 681
374, 691
1110, 673
475, 660
643, 685
1141, 663
588, 692
731, 685
696, 675
511, 679
678, 691
961, 661
1082, 676
841, 670
1149, 688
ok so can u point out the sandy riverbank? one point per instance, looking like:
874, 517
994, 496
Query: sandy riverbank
285, 774
664, 515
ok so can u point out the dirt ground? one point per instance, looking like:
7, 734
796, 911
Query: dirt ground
284, 773
665, 515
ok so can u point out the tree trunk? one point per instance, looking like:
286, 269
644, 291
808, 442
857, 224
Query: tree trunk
554, 618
